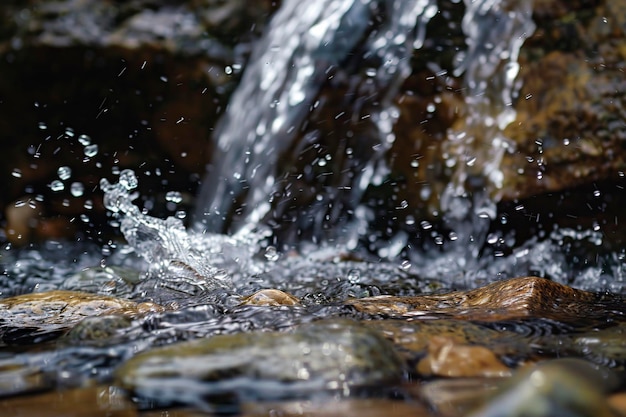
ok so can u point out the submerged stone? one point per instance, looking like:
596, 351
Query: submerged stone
41, 316
603, 346
528, 297
97, 330
450, 359
561, 387
336, 356
457, 396
361, 407
18, 378
96, 401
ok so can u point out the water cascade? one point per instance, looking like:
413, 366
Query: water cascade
495, 32
304, 45
285, 323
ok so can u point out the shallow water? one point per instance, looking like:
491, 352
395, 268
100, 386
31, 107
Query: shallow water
198, 286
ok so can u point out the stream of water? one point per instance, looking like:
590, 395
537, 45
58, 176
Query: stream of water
201, 273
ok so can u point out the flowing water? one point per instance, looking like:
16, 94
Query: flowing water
200, 274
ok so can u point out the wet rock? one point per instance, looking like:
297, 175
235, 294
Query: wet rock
97, 401
371, 407
271, 297
554, 388
40, 316
503, 300
102, 330
449, 359
618, 403
456, 397
18, 378
605, 347
413, 337
337, 356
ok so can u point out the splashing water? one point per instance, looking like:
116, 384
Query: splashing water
306, 42
495, 33
170, 251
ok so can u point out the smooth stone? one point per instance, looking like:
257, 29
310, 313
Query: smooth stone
618, 403
560, 387
17, 378
414, 336
97, 401
448, 358
456, 397
327, 356
271, 297
350, 407
603, 346
40, 316
99, 330
516, 298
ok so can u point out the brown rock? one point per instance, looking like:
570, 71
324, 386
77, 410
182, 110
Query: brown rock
271, 297
98, 401
503, 300
56, 311
449, 359
456, 397
371, 407
618, 403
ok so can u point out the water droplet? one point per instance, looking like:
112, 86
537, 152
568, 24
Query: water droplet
56, 186
128, 179
174, 197
17, 173
42, 126
69, 132
354, 276
64, 172
91, 150
271, 254
84, 140
405, 265
77, 189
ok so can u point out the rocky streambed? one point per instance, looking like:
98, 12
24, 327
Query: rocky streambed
524, 346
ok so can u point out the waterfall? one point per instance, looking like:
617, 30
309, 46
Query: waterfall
305, 42
495, 31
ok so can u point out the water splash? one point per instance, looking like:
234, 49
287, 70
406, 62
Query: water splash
164, 244
305, 43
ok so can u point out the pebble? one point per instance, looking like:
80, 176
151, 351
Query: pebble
37, 317
327, 356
